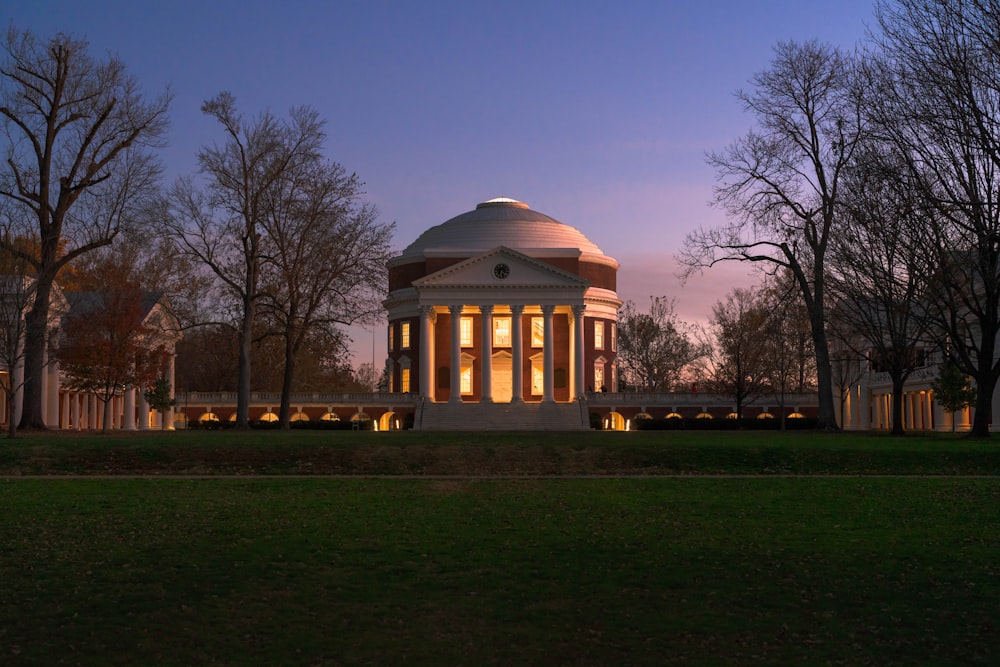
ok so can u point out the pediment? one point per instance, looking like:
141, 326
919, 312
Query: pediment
502, 267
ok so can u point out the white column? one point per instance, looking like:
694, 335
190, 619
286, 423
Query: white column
487, 345
128, 424
143, 418
74, 410
94, 406
64, 410
171, 368
52, 394
426, 351
456, 354
578, 357
548, 359
517, 352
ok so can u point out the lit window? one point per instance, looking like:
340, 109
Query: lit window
598, 335
404, 335
501, 332
466, 380
537, 332
614, 342
404, 380
390, 338
599, 377
537, 377
465, 334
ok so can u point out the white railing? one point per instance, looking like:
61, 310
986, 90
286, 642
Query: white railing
220, 398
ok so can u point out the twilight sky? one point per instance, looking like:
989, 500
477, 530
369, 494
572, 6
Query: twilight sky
597, 113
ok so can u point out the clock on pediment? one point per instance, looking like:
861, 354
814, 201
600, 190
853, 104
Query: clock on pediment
501, 271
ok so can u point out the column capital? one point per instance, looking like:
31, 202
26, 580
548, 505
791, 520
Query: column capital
578, 310
517, 308
486, 309
548, 309
455, 310
427, 312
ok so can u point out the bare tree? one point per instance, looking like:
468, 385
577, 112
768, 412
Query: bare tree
78, 167
221, 222
654, 348
937, 103
879, 271
739, 363
16, 294
780, 183
326, 259
787, 340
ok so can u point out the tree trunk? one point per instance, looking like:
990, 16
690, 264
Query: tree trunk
36, 323
243, 385
897, 407
984, 405
826, 417
105, 424
284, 412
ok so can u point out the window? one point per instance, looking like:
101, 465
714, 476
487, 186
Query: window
614, 342
465, 331
404, 380
501, 332
465, 375
537, 332
390, 337
537, 377
599, 377
404, 335
598, 335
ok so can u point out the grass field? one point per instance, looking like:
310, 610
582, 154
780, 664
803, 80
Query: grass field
856, 569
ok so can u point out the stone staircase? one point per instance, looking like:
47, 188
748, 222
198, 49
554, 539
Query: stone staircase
502, 417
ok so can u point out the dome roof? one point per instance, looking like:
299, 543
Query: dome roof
497, 222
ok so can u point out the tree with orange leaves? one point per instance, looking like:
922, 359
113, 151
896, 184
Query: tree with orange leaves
106, 347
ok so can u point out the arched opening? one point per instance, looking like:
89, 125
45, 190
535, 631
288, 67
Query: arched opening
614, 421
330, 417
300, 417
209, 417
268, 417
389, 421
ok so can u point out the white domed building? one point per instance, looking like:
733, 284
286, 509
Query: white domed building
502, 317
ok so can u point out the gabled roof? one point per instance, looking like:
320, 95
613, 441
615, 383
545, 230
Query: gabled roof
484, 271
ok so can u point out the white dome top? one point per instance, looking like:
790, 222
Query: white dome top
498, 222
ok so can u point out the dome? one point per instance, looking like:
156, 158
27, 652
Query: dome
497, 222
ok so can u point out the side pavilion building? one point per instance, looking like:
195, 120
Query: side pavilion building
502, 317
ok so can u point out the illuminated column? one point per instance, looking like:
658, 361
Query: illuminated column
517, 352
52, 394
487, 364
577, 351
74, 410
128, 424
64, 410
548, 359
456, 354
93, 406
426, 351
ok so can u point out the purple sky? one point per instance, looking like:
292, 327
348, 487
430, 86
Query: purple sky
596, 113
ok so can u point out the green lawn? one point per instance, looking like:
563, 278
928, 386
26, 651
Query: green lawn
779, 570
